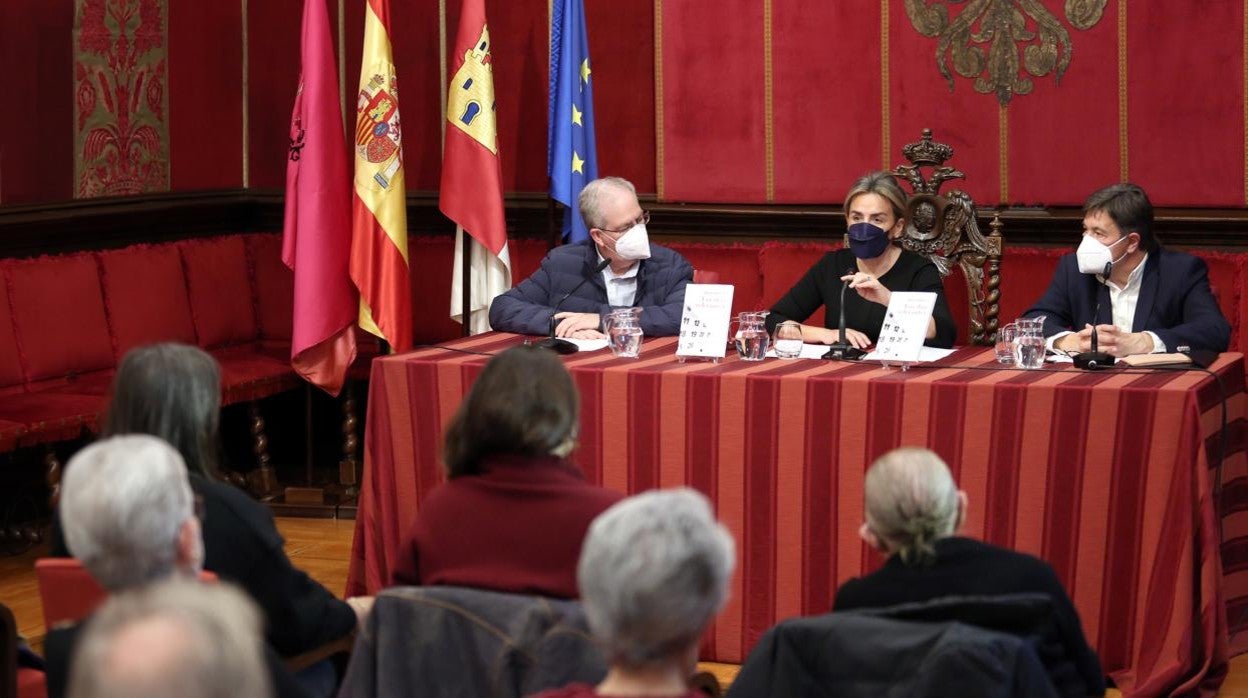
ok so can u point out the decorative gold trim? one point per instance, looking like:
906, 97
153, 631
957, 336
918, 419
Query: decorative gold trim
658, 99
768, 131
246, 105
886, 137
1124, 172
1003, 144
442, 70
342, 64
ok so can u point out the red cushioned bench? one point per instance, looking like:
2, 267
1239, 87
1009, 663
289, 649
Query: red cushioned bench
66, 321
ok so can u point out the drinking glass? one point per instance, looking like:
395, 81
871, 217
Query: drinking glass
1004, 347
788, 340
752, 338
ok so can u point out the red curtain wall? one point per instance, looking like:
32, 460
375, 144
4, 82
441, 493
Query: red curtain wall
780, 100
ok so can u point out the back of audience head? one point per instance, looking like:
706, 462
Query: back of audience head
128, 513
653, 573
178, 638
911, 502
524, 403
172, 391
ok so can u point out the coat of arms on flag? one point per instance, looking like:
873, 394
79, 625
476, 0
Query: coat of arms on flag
377, 132
472, 94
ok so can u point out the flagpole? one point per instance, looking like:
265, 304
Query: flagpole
465, 308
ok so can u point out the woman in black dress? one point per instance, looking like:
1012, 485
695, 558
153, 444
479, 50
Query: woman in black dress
873, 265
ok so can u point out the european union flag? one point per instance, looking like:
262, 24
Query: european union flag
571, 157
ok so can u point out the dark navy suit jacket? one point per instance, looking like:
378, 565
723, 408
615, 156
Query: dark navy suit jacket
1175, 302
661, 280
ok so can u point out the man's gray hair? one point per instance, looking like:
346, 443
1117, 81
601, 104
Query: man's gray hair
912, 501
653, 573
123, 502
590, 200
176, 638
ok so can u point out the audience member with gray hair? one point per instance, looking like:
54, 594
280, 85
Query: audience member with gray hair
129, 516
128, 513
176, 639
616, 267
913, 509
653, 574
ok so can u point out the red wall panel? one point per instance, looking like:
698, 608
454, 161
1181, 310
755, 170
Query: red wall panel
920, 98
415, 42
273, 36
36, 85
1063, 138
621, 45
205, 95
826, 97
713, 147
1186, 101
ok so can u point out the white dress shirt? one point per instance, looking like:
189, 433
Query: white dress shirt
622, 289
1122, 302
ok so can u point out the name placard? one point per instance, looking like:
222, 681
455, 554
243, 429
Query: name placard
905, 326
704, 322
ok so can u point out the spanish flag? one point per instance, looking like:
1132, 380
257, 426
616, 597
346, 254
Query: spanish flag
316, 235
379, 264
472, 178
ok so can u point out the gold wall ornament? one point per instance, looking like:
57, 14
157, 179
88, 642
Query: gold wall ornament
1020, 35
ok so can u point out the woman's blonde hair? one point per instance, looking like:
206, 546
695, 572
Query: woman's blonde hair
883, 184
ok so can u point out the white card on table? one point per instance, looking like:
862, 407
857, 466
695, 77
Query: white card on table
905, 326
704, 322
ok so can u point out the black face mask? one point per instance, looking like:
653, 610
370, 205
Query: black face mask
867, 240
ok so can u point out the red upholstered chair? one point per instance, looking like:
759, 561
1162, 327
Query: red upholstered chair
735, 264
783, 263
145, 292
703, 276
16, 681
69, 593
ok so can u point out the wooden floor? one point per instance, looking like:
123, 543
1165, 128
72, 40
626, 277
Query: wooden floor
322, 547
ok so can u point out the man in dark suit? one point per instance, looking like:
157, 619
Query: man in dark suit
1153, 300
637, 274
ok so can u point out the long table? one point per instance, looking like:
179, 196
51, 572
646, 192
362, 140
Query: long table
1108, 476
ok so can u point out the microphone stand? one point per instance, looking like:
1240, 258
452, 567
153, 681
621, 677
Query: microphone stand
558, 344
1095, 360
841, 349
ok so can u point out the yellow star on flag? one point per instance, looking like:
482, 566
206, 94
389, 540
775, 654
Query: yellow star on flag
585, 72
577, 163
576, 116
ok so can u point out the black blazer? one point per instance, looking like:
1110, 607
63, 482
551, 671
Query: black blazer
1175, 302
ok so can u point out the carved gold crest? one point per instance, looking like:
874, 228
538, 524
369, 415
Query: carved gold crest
994, 41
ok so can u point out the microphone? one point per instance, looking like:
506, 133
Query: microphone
1095, 360
842, 349
559, 345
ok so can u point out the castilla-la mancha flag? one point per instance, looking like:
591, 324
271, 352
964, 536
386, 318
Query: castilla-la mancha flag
316, 237
379, 264
472, 176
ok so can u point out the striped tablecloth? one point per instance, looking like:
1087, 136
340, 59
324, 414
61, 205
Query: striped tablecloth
1108, 476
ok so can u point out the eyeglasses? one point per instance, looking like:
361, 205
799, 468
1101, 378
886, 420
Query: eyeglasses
643, 219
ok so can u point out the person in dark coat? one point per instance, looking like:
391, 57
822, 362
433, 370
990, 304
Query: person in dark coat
1154, 299
173, 391
873, 267
514, 510
637, 274
913, 508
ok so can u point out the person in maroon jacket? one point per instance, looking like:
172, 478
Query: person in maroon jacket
514, 511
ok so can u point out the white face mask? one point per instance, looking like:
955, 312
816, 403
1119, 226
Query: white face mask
1093, 255
633, 244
